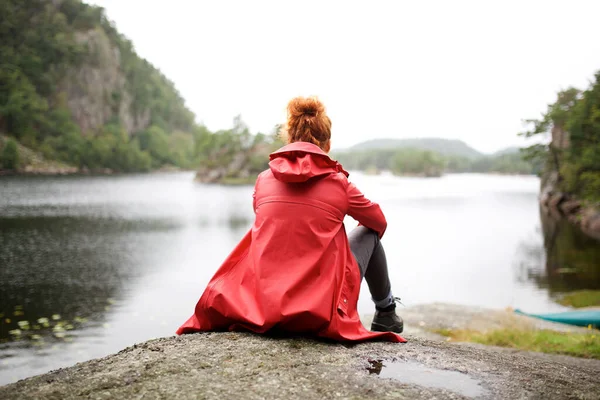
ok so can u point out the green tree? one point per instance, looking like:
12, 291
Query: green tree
574, 120
418, 162
583, 154
10, 155
181, 146
21, 107
556, 116
155, 141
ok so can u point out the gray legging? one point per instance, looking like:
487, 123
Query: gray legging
368, 251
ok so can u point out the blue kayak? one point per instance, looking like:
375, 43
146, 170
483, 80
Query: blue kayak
579, 318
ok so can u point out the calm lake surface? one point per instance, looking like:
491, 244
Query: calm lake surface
90, 265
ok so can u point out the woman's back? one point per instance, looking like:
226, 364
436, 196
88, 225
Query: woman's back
303, 194
300, 204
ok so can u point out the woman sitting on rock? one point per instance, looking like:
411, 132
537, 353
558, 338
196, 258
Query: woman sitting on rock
296, 271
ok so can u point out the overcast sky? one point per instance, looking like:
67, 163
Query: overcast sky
470, 70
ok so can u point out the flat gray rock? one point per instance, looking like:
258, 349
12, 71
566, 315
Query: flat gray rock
247, 366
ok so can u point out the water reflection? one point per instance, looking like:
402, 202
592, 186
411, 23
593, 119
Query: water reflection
61, 272
91, 265
411, 372
561, 258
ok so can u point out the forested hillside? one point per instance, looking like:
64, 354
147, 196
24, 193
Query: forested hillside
73, 90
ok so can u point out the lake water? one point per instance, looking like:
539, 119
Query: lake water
90, 265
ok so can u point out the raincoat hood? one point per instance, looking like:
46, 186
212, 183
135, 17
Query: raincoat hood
301, 161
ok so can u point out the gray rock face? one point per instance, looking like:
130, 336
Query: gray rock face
237, 167
558, 204
96, 91
560, 137
246, 366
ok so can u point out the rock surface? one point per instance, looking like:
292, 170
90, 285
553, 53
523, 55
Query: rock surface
558, 205
90, 87
240, 365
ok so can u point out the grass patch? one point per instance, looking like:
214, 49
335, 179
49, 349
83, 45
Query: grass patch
444, 332
581, 298
573, 344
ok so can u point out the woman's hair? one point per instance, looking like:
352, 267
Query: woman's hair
307, 122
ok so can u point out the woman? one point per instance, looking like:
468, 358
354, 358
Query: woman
296, 271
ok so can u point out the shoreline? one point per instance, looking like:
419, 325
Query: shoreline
443, 174
204, 365
79, 172
431, 322
73, 171
562, 206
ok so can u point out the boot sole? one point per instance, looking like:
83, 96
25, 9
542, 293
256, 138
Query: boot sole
375, 327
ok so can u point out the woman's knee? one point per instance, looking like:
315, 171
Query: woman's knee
361, 236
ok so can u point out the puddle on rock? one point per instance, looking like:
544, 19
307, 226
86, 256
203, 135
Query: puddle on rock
418, 374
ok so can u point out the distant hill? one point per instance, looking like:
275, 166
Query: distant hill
450, 147
506, 151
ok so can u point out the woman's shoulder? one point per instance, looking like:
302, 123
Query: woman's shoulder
341, 177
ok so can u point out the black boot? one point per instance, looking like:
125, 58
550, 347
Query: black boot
386, 320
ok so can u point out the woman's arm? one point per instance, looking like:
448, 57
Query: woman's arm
254, 193
365, 211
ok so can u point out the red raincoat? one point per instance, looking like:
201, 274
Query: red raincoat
293, 271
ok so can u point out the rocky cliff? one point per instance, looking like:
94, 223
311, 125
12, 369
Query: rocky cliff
73, 88
97, 92
560, 204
